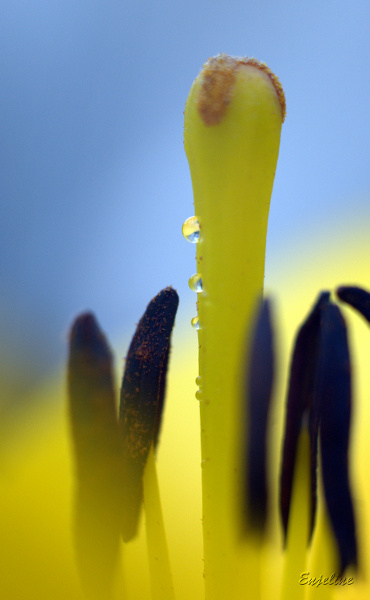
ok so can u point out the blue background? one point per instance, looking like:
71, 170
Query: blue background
94, 182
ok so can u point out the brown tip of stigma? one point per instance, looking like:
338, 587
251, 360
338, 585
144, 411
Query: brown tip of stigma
218, 78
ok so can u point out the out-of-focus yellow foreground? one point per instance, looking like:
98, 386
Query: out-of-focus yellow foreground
36, 472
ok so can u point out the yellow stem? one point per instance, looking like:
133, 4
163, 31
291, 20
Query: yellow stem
322, 567
294, 585
159, 563
233, 119
249, 569
324, 561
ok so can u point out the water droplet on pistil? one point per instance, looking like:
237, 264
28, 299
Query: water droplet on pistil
195, 283
195, 322
191, 230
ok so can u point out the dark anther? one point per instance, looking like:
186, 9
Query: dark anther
320, 394
90, 378
357, 298
94, 424
260, 377
334, 393
142, 398
301, 407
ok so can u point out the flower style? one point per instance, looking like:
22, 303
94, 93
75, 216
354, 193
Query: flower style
233, 120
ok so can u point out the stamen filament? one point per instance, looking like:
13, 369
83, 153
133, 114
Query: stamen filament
324, 561
299, 522
158, 558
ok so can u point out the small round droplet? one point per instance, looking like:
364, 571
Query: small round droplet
199, 395
195, 283
195, 322
191, 229
198, 380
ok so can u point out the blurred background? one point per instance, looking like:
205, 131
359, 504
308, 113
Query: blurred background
94, 182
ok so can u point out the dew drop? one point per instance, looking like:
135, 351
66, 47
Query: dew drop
198, 380
191, 229
195, 322
195, 283
199, 395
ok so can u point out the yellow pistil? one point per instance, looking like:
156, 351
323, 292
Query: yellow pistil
233, 119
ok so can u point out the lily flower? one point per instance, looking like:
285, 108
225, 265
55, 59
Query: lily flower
102, 501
